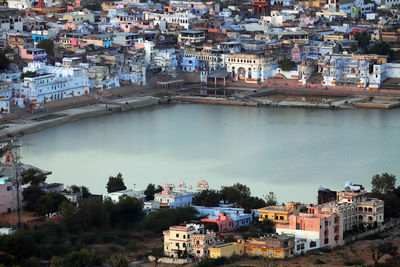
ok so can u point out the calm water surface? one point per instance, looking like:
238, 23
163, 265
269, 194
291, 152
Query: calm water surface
289, 151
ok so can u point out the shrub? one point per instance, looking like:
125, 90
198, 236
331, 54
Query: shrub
353, 261
319, 261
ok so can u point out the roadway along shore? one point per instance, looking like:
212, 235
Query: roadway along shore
52, 119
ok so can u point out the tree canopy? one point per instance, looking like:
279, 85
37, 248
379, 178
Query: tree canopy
380, 250
287, 64
383, 183
3, 60
362, 39
235, 193
271, 199
115, 183
33, 177
151, 190
207, 198
48, 45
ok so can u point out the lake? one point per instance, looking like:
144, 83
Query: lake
291, 152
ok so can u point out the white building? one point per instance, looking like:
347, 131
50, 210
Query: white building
115, 196
100, 78
22, 4
5, 96
52, 83
169, 198
184, 20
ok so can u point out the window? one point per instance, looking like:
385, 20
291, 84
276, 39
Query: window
313, 244
177, 235
326, 241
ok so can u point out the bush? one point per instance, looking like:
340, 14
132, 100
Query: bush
319, 261
88, 238
353, 261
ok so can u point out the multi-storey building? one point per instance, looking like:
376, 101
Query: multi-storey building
52, 83
5, 96
190, 239
79, 17
191, 37
100, 78
250, 68
8, 196
363, 71
200, 242
101, 40
313, 231
279, 214
185, 20
169, 198
34, 54
354, 206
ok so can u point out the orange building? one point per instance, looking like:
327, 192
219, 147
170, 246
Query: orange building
274, 246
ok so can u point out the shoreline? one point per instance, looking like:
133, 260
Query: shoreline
53, 119
30, 124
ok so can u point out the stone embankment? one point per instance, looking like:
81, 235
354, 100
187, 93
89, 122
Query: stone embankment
51, 119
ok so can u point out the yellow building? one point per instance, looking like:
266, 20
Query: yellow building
275, 246
333, 37
279, 214
227, 250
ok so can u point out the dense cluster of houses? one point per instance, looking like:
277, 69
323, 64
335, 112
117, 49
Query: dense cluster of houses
98, 47
299, 228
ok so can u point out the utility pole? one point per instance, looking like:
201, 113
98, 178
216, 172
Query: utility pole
14, 146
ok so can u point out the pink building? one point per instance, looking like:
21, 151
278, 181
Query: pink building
70, 26
296, 53
8, 196
313, 231
223, 222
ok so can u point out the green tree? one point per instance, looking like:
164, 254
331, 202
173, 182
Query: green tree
49, 203
270, 199
48, 45
81, 258
118, 260
207, 198
267, 226
20, 245
83, 189
362, 39
252, 203
234, 194
3, 60
33, 177
382, 48
157, 253
69, 216
379, 251
151, 190
130, 210
115, 183
33, 262
31, 195
354, 48
287, 64
384, 183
